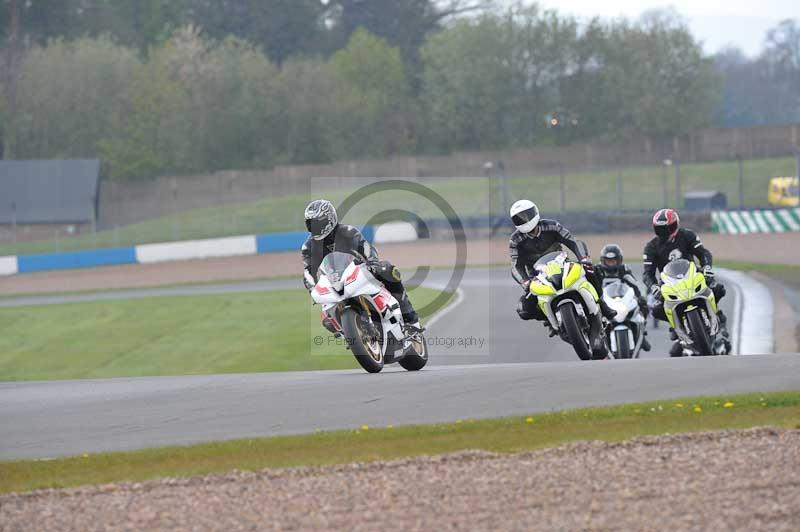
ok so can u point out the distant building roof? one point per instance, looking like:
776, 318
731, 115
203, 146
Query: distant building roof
54, 191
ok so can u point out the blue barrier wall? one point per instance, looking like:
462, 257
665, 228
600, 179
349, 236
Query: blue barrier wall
77, 259
293, 241
369, 232
280, 242
268, 243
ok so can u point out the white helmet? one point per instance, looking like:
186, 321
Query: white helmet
525, 215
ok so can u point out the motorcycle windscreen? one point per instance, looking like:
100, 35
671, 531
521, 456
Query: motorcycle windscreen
678, 269
550, 257
334, 265
615, 289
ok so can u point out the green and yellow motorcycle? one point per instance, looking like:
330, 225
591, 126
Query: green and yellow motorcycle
691, 309
570, 303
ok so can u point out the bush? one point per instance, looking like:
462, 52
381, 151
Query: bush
69, 96
197, 105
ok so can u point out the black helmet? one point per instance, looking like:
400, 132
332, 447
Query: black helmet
611, 257
321, 218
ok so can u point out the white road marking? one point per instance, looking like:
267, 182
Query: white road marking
447, 309
754, 320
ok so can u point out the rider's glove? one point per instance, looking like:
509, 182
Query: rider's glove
587, 264
526, 285
655, 291
709, 274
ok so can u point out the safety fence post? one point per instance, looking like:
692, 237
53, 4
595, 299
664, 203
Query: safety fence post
740, 165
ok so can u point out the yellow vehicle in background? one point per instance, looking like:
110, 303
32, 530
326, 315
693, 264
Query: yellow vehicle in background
784, 191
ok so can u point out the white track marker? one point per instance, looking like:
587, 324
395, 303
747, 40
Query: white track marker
441, 313
754, 317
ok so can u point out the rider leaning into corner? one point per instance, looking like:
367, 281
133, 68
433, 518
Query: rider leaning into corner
612, 266
534, 238
672, 243
328, 235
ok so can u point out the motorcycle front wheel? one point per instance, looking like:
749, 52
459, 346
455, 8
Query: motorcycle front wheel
577, 338
363, 342
624, 349
699, 334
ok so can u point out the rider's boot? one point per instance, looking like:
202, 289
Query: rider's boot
646, 343
723, 327
723, 323
410, 316
547, 325
676, 350
643, 308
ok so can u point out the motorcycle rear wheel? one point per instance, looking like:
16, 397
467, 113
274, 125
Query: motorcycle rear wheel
368, 352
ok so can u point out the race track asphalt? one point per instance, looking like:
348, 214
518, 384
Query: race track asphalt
516, 370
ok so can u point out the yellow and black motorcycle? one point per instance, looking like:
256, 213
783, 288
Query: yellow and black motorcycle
570, 303
691, 309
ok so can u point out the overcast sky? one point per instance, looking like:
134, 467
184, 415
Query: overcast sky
716, 22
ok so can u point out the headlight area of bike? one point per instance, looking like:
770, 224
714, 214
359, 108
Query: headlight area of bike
333, 267
682, 289
620, 307
553, 277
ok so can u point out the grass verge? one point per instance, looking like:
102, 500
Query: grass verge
226, 333
371, 443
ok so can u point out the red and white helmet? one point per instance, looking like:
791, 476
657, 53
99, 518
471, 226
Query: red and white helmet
666, 224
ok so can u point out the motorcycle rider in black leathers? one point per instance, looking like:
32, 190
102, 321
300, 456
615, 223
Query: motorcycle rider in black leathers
328, 235
672, 243
533, 239
612, 266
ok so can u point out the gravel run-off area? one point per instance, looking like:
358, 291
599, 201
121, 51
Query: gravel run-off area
730, 480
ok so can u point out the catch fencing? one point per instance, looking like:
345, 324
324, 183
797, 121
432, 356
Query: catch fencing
570, 182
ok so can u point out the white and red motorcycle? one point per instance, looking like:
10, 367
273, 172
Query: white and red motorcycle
366, 315
625, 333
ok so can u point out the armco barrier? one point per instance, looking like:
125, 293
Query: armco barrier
756, 221
8, 265
396, 232
196, 249
75, 259
167, 251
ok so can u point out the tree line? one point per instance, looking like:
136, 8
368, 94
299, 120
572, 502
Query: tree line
765, 89
188, 86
